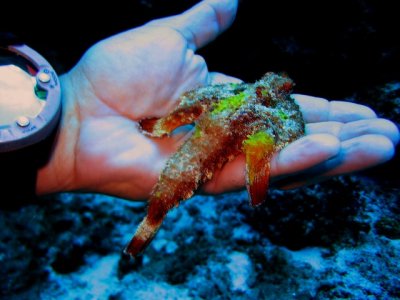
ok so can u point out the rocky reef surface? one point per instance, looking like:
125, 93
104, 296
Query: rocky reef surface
339, 239
334, 240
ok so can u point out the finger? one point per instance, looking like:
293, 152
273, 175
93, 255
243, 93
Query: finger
217, 78
375, 126
355, 154
346, 131
360, 153
298, 156
317, 109
304, 153
203, 22
329, 127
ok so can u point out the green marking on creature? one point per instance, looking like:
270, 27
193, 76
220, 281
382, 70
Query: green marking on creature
229, 104
264, 93
197, 132
259, 138
282, 115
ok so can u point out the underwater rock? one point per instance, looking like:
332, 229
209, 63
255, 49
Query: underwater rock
240, 270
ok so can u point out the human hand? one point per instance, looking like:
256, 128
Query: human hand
141, 73
341, 137
119, 81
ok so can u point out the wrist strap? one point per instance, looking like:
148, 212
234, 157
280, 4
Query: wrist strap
19, 173
19, 170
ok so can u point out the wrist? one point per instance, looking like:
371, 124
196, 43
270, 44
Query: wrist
58, 174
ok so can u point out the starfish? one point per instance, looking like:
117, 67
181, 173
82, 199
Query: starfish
256, 119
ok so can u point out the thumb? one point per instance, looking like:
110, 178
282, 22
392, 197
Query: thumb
203, 22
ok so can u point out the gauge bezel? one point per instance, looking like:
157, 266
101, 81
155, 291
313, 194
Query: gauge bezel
14, 136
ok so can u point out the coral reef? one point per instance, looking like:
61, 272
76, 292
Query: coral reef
214, 247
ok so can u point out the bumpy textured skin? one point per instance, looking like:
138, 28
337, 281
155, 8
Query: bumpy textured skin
255, 119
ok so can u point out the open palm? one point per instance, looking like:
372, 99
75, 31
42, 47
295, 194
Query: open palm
141, 73
134, 75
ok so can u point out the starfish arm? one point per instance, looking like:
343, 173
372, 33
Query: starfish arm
258, 149
182, 115
191, 106
143, 236
193, 164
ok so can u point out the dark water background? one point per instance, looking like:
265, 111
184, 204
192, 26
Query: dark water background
339, 239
